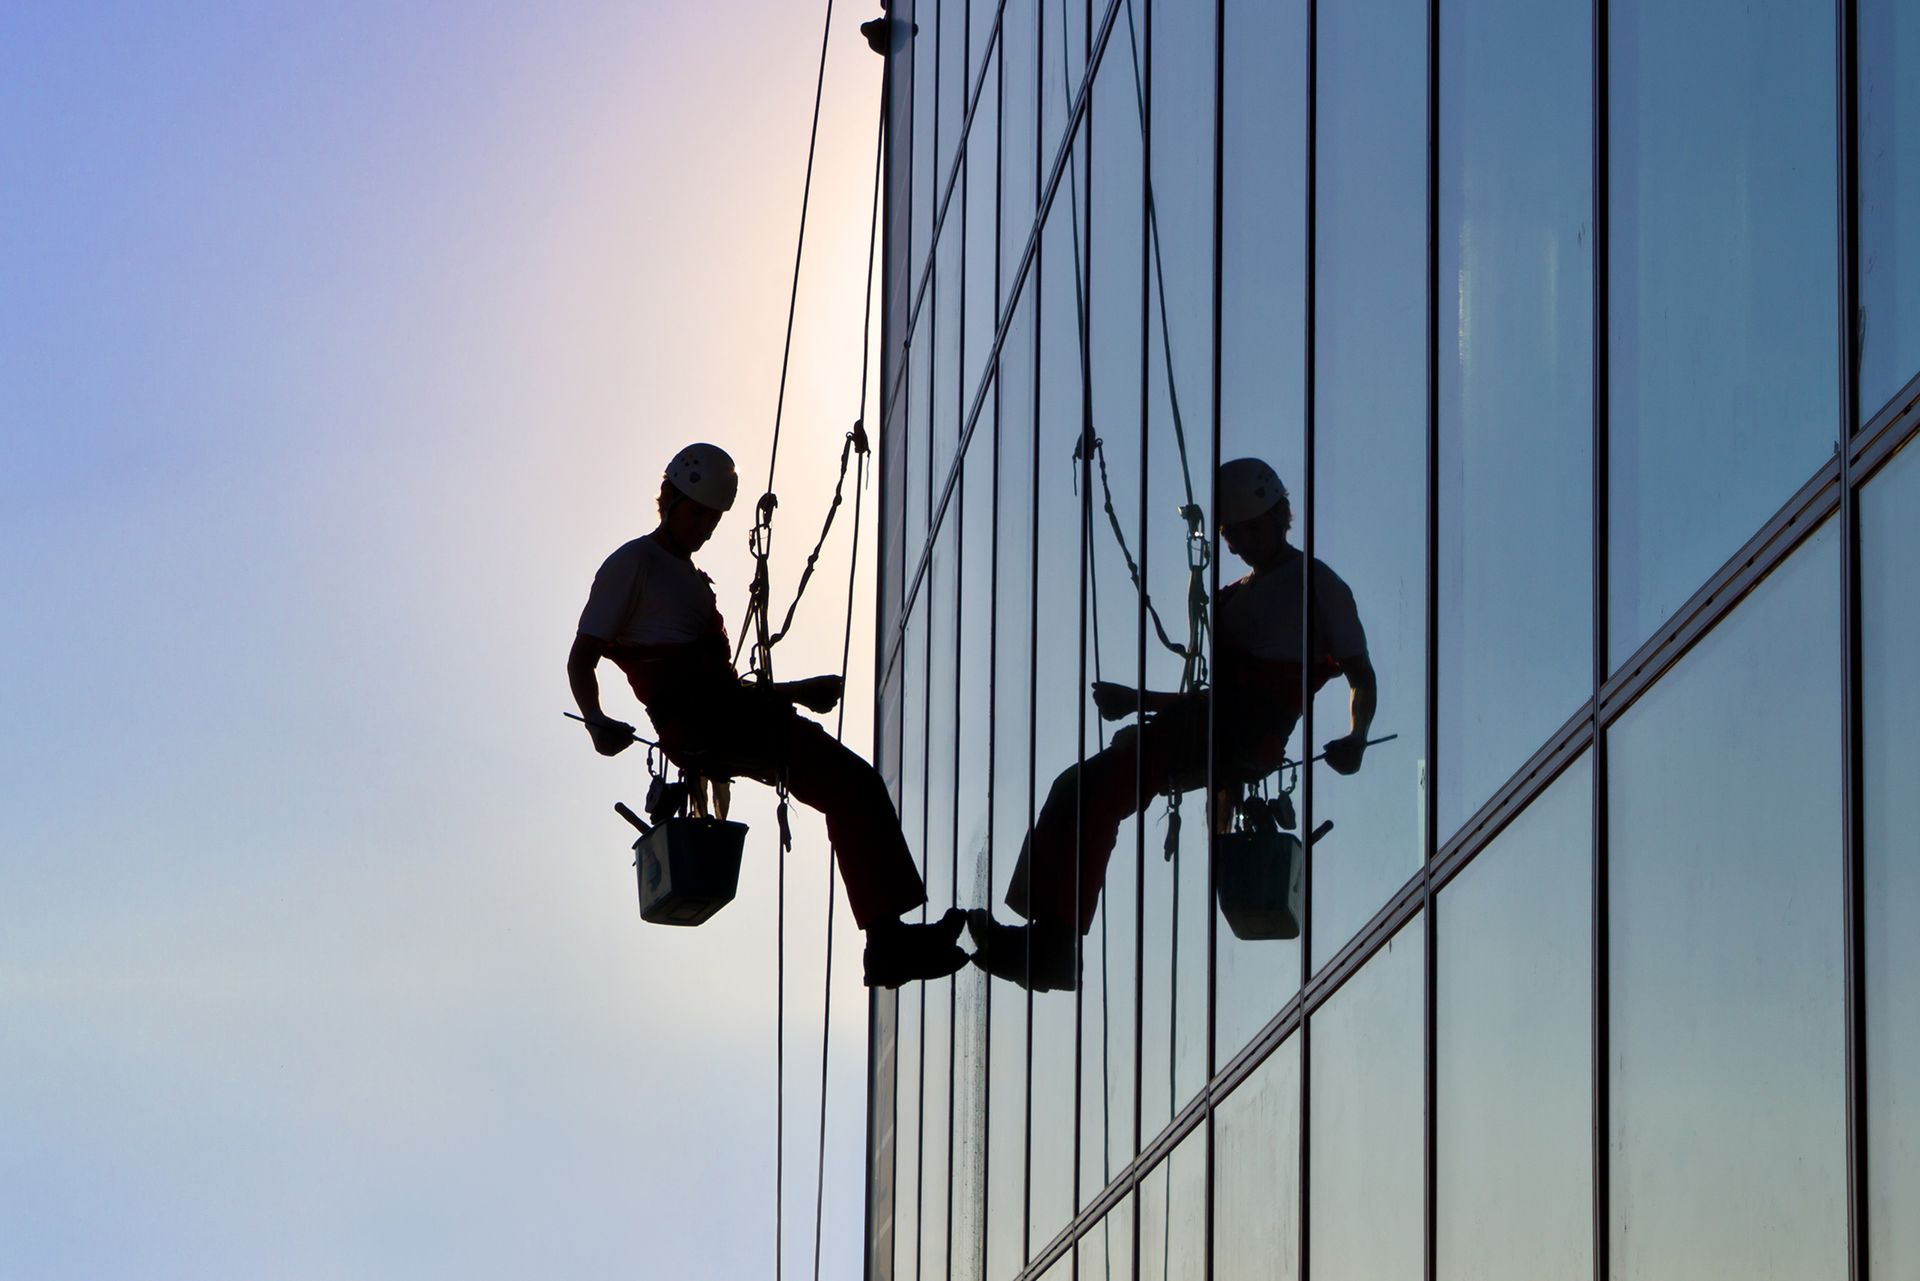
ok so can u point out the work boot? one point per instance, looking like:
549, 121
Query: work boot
898, 952
1040, 956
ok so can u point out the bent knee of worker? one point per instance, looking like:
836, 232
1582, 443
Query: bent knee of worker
1066, 787
820, 760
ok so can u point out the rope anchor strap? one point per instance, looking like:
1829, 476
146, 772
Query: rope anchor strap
760, 543
1192, 654
856, 443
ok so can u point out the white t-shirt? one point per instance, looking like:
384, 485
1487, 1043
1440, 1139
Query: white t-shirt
646, 595
1259, 615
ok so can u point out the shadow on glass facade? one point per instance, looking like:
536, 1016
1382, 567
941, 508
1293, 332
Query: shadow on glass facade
1397, 600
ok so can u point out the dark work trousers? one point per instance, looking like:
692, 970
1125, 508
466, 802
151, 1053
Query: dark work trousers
1060, 879
710, 723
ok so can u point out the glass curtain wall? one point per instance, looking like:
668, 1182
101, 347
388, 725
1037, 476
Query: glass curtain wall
1577, 341
1890, 690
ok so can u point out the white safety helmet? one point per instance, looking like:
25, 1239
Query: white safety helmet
705, 474
1248, 488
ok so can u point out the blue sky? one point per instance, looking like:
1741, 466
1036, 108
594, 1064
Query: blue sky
337, 345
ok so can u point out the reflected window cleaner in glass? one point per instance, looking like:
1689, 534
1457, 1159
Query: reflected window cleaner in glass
655, 616
1254, 704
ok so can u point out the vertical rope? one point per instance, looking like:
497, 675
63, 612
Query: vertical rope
761, 542
857, 437
800, 241
780, 1060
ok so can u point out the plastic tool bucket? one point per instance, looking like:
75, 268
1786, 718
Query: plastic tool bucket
689, 869
1257, 883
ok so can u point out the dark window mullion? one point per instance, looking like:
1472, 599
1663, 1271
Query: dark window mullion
1429, 822
1036, 239
1140, 618
1311, 283
1213, 596
1600, 990
993, 664
1852, 853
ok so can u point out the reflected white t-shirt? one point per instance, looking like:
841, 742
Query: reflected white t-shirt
1259, 615
646, 595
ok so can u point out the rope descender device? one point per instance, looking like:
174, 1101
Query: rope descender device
760, 543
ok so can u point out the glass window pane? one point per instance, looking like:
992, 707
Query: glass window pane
907, 1185
1729, 1138
1173, 1216
1369, 504
916, 444
1012, 804
891, 575
1105, 1251
1063, 45
942, 1098
897, 206
1111, 194
1516, 387
1366, 1102
1889, 162
945, 303
1256, 1174
926, 41
972, 812
980, 16
1890, 753
1262, 367
913, 729
1173, 551
954, 84
1723, 370
1514, 1020
982, 200
1019, 138
1060, 702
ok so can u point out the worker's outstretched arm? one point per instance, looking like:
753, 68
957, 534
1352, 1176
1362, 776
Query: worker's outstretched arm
609, 736
1344, 754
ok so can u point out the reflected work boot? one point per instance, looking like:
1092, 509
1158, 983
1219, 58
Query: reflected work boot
898, 952
1039, 956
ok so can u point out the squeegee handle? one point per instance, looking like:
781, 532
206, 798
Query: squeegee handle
1372, 742
637, 737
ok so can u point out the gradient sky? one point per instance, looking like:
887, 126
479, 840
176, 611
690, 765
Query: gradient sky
337, 345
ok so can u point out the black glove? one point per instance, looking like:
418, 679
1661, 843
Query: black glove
1343, 754
610, 737
1115, 701
816, 694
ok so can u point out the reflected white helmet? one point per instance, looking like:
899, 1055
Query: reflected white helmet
705, 474
1248, 488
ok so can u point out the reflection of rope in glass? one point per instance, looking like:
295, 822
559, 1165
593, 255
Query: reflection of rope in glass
1093, 585
1089, 454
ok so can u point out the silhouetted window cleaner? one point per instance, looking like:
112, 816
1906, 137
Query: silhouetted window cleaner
1254, 703
654, 614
